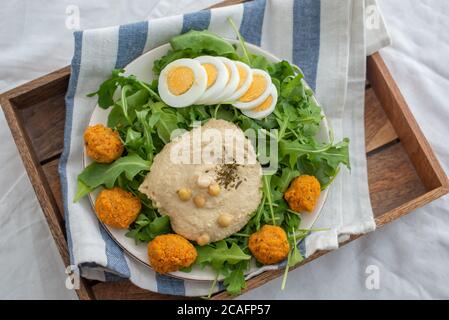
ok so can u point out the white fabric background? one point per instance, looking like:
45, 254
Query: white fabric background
411, 254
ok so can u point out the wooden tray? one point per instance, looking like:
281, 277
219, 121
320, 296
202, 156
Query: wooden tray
403, 171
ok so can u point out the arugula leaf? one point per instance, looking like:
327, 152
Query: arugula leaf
135, 101
295, 257
219, 253
281, 70
259, 62
292, 88
292, 220
172, 56
224, 113
282, 182
324, 165
148, 145
267, 191
336, 154
193, 44
129, 83
133, 138
167, 123
107, 89
116, 118
81, 190
235, 281
144, 229
202, 41
246, 56
97, 174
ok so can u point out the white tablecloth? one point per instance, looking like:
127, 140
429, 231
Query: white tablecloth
410, 255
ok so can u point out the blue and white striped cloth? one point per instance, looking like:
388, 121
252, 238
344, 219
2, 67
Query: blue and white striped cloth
325, 38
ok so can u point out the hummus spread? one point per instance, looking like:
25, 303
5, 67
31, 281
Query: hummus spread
207, 181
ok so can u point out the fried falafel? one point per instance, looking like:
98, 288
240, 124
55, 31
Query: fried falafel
117, 208
102, 144
170, 252
303, 193
269, 245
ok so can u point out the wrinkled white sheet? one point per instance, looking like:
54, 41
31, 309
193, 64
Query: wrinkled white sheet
411, 254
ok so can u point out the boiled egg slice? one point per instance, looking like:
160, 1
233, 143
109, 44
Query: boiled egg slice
233, 82
257, 93
182, 82
217, 78
266, 107
245, 80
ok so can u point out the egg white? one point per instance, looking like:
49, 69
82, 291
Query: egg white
263, 113
233, 82
249, 78
254, 103
193, 93
211, 93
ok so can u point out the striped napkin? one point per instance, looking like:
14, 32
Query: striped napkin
326, 39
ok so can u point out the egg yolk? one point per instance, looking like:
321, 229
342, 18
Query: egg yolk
179, 80
257, 87
211, 73
264, 105
243, 75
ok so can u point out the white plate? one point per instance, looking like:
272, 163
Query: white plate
142, 68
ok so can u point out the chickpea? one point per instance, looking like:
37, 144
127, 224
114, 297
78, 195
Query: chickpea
199, 201
184, 194
204, 181
224, 220
214, 190
203, 239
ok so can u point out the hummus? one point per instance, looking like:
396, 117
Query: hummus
210, 190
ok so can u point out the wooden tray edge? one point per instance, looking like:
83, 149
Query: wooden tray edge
35, 84
405, 124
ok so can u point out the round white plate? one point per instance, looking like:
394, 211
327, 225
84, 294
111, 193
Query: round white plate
142, 68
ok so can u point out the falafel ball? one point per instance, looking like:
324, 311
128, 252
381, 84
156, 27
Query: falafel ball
269, 245
303, 193
117, 208
102, 144
170, 252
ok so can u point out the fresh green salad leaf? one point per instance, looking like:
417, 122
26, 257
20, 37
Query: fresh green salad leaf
107, 89
259, 62
97, 174
133, 138
218, 254
194, 44
145, 229
81, 190
282, 70
134, 102
202, 41
235, 281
